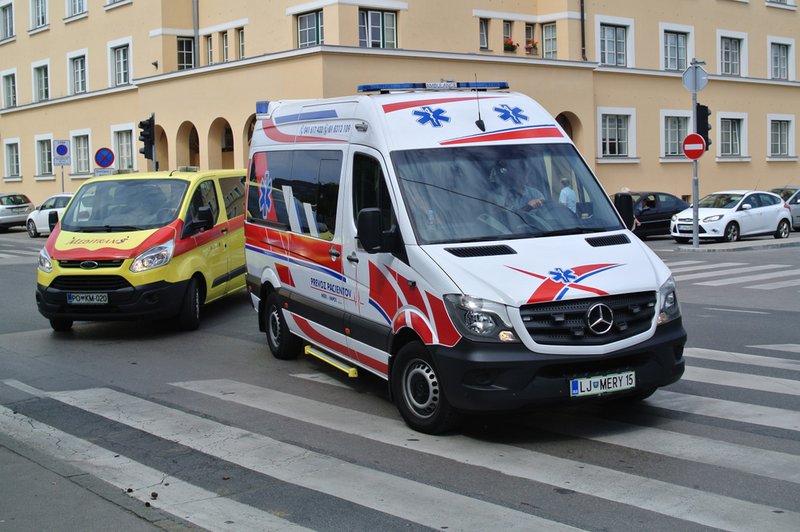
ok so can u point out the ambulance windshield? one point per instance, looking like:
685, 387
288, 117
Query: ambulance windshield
485, 193
124, 205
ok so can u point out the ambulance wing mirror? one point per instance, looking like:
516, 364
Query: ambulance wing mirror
203, 221
624, 204
371, 234
52, 219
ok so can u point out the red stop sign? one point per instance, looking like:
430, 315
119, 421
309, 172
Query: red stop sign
694, 146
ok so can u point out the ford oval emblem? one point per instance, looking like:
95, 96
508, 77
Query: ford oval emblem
89, 264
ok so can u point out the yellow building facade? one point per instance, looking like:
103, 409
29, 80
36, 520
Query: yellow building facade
88, 71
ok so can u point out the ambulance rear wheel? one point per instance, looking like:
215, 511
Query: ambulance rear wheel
418, 393
283, 344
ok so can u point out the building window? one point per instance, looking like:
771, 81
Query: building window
12, 159
41, 83
530, 40
78, 74
730, 58
377, 29
549, 41
675, 50
613, 44
731, 137
185, 53
123, 143
310, 29
76, 7
80, 151
483, 30
121, 66
225, 47
9, 90
615, 136
240, 33
779, 54
38, 14
44, 157
210, 50
7, 16
779, 138
508, 27
675, 130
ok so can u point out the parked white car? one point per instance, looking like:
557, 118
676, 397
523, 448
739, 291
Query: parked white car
791, 195
729, 215
39, 220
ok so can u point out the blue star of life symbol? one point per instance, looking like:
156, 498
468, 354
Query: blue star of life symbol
265, 194
433, 116
563, 276
514, 114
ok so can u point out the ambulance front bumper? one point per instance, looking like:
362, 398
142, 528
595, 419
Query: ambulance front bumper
481, 377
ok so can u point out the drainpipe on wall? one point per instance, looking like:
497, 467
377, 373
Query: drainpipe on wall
196, 25
583, 30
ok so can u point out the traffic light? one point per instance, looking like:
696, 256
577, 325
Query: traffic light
702, 112
148, 136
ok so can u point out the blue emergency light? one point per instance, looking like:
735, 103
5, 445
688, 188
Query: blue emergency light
440, 85
262, 107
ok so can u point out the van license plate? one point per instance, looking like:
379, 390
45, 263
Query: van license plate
602, 384
87, 299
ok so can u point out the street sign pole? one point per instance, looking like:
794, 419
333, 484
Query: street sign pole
695, 78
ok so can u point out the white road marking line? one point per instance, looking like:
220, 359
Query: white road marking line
320, 377
741, 358
739, 380
706, 267
737, 310
184, 500
789, 348
657, 496
407, 499
703, 275
749, 278
774, 286
671, 264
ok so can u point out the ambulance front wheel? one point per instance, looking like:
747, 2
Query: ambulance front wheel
283, 344
418, 393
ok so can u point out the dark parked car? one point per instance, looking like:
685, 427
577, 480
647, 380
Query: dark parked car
653, 211
791, 195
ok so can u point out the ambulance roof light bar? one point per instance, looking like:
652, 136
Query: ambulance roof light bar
384, 88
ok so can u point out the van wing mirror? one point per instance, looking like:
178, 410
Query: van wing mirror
371, 233
624, 205
205, 220
52, 219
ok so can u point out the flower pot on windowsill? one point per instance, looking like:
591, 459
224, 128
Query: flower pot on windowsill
532, 50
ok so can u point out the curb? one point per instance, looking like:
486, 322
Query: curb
742, 246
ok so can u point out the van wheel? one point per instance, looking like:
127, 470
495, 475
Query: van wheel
189, 315
61, 324
283, 344
32, 232
783, 230
418, 393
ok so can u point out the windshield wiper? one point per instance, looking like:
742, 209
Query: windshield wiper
108, 228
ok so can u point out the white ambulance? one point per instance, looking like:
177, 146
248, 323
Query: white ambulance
450, 239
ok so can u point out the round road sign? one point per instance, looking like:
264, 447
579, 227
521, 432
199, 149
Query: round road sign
104, 157
62, 149
694, 146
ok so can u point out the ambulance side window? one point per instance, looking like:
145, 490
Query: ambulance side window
205, 195
370, 190
233, 195
315, 191
269, 172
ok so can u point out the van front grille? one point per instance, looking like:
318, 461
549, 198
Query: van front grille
90, 283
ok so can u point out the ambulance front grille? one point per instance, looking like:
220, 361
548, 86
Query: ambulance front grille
94, 283
565, 322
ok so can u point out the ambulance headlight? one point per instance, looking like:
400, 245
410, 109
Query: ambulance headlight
45, 264
479, 319
669, 302
154, 257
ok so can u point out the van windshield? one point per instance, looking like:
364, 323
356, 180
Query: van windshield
485, 193
124, 205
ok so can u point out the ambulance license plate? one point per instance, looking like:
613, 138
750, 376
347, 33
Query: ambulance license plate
87, 299
614, 382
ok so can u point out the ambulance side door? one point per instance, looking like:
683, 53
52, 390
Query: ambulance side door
232, 190
207, 243
376, 303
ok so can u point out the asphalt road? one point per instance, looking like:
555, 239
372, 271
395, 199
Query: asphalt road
137, 426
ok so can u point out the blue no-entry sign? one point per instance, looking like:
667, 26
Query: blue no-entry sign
104, 157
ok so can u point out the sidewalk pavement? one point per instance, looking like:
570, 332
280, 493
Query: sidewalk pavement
746, 244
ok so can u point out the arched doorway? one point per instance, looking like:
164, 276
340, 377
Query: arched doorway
247, 135
220, 144
571, 124
187, 146
162, 149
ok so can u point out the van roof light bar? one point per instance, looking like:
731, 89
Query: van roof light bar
384, 88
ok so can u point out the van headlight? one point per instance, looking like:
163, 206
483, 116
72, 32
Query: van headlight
479, 319
45, 263
669, 302
154, 257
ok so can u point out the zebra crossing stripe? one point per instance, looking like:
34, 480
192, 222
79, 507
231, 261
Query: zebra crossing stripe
657, 496
741, 358
181, 499
670, 264
774, 286
789, 348
719, 273
739, 380
707, 267
370, 488
749, 278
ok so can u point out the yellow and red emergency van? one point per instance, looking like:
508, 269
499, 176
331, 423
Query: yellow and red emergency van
450, 239
145, 246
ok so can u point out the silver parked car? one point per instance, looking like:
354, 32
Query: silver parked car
730, 214
14, 210
791, 195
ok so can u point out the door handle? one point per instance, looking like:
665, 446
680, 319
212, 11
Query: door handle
352, 258
334, 253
